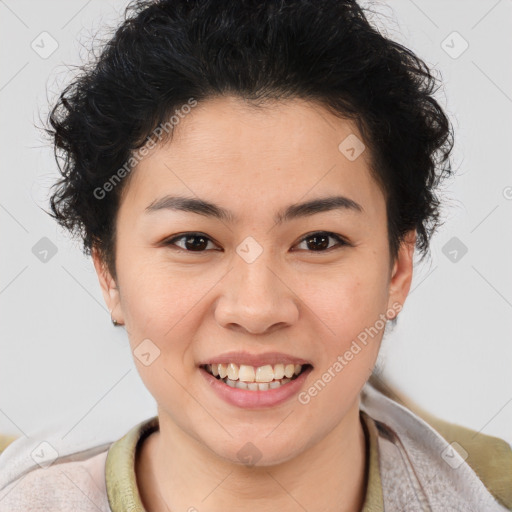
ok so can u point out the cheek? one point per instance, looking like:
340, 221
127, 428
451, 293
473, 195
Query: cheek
157, 300
160, 319
348, 302
350, 311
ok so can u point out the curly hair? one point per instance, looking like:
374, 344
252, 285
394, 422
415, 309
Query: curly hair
167, 51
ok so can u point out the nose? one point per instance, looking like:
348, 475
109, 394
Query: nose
255, 298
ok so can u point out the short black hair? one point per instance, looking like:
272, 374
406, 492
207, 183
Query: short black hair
166, 52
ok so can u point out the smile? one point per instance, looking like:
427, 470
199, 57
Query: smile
260, 378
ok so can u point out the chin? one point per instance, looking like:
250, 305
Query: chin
254, 451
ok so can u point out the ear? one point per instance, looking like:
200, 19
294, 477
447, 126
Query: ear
108, 287
401, 275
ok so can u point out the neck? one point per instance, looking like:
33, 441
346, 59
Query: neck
175, 472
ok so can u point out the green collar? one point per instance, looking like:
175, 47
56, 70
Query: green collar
123, 494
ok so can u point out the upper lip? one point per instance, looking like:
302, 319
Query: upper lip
246, 358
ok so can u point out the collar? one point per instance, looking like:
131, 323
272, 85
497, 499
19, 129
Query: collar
123, 494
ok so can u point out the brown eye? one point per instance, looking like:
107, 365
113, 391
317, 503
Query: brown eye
319, 241
193, 242
198, 242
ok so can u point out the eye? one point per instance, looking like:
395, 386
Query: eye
193, 242
198, 242
320, 240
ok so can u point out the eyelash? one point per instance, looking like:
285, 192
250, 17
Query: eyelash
329, 234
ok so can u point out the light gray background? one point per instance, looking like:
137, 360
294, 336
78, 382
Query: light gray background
63, 363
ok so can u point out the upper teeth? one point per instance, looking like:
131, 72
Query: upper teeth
247, 373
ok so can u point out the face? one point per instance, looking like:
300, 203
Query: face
253, 282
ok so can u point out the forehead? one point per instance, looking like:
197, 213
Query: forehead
229, 151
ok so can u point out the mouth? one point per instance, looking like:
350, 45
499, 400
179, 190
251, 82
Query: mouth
256, 378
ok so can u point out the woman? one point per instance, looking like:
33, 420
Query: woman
252, 180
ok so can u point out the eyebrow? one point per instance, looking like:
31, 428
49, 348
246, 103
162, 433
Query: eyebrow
291, 212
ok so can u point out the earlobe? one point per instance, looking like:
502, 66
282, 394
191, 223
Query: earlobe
108, 288
401, 276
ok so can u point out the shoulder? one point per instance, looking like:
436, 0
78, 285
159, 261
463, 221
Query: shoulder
63, 485
51, 471
489, 457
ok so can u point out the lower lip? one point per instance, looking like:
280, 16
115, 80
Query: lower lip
255, 399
